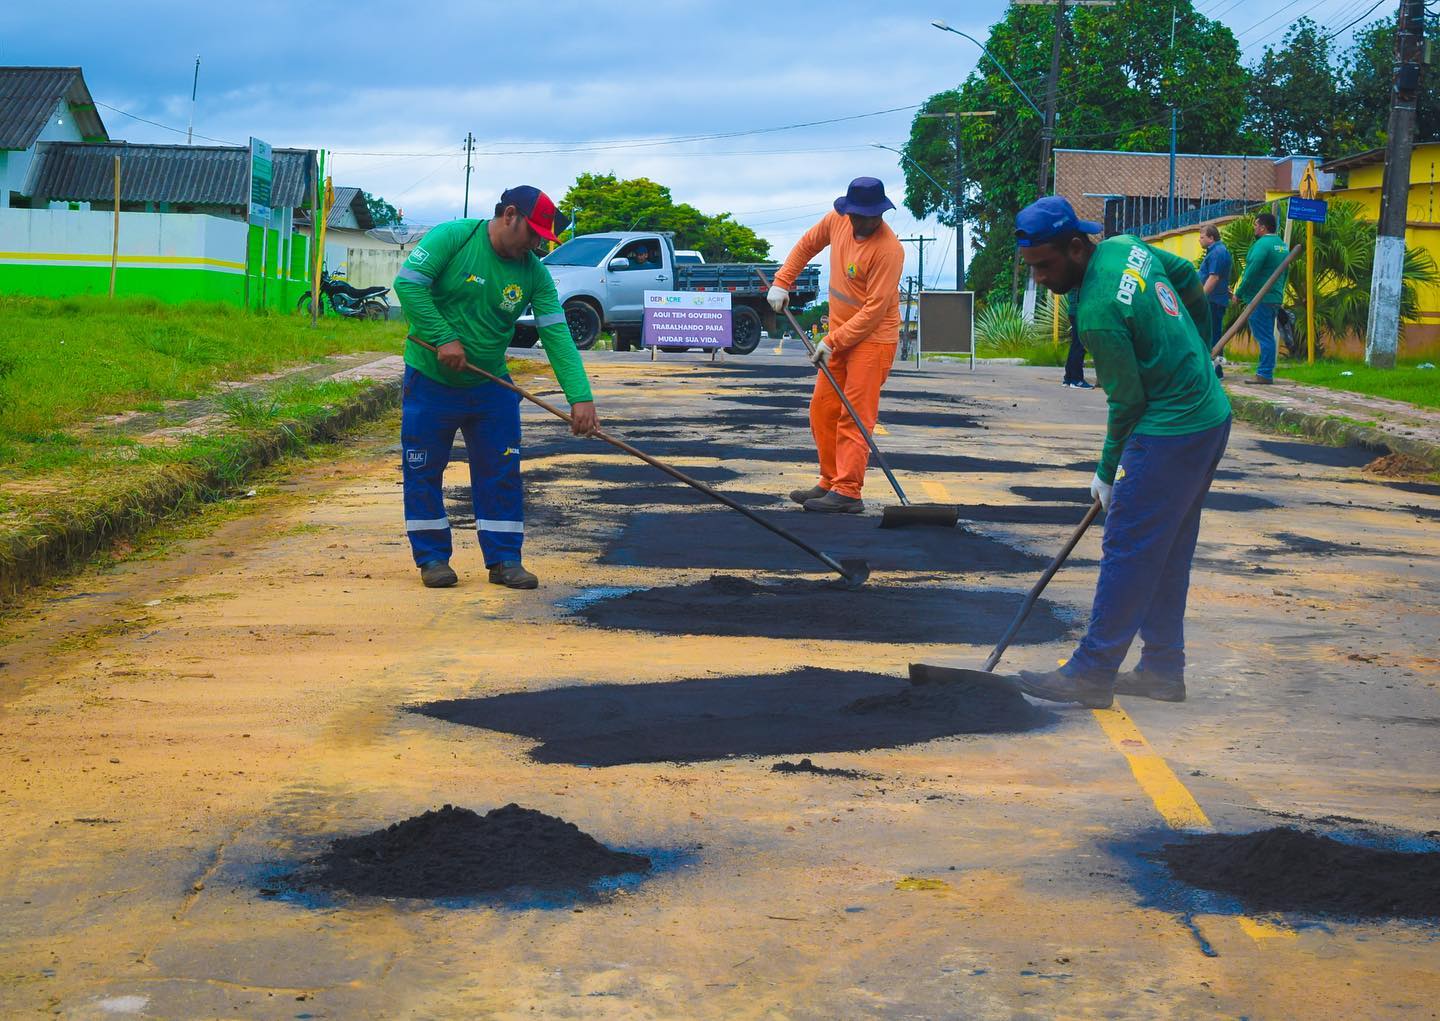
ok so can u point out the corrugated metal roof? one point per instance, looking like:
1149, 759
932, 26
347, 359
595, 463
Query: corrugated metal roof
28, 96
351, 200
193, 175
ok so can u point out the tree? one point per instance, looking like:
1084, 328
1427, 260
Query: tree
1292, 97
382, 212
607, 203
1119, 76
1365, 79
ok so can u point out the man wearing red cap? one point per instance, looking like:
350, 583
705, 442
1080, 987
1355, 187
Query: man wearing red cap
866, 261
462, 289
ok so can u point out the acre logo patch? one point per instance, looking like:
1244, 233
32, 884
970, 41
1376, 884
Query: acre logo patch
416, 458
1167, 299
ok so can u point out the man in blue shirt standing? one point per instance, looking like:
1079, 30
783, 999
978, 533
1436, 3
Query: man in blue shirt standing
1215, 277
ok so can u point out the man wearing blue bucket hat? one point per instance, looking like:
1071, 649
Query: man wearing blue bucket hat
1143, 315
866, 261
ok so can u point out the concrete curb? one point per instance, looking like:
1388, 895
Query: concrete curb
1332, 430
30, 559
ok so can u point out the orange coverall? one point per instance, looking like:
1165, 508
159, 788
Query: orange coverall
864, 329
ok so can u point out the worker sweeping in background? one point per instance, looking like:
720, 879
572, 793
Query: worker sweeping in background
462, 289
866, 261
1142, 314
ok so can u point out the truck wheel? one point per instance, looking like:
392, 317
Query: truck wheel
525, 336
584, 323
745, 330
627, 338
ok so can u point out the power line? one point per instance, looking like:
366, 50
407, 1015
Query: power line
1358, 19
167, 127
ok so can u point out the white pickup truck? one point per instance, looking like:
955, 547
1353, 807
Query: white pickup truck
602, 280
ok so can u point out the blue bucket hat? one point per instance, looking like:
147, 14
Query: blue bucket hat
1048, 218
864, 197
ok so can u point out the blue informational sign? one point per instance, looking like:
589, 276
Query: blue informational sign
1307, 210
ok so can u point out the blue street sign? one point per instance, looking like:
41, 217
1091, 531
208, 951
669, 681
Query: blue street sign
1307, 210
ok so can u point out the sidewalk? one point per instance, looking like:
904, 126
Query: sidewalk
1342, 418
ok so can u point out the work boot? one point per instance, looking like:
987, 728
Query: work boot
1257, 381
800, 496
512, 575
1062, 686
1151, 684
834, 503
437, 574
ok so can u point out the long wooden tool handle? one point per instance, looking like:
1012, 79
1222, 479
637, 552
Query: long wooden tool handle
835, 385
1039, 587
675, 473
1244, 315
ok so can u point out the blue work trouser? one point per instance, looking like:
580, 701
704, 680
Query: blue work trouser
1075, 363
1217, 322
488, 416
1262, 328
1150, 533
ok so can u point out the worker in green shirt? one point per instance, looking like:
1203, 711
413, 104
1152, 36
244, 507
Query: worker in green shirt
1263, 258
1141, 313
462, 289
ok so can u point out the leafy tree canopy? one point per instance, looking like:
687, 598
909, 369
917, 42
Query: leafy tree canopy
607, 203
382, 212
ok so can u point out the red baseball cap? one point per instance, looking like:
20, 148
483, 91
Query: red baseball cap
537, 208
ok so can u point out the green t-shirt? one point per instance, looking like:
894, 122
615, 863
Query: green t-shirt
454, 287
1263, 258
1141, 314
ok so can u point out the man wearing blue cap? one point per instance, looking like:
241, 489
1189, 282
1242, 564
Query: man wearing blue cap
1143, 315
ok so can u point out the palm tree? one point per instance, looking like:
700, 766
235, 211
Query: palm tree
1344, 257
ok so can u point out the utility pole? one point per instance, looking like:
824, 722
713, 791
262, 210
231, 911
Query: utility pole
920, 243
469, 148
1382, 333
194, 89
1170, 207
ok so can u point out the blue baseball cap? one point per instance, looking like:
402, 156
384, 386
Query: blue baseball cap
1048, 218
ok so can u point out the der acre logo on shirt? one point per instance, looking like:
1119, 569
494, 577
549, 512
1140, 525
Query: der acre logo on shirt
511, 295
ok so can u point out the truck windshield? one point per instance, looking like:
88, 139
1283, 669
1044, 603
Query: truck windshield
580, 252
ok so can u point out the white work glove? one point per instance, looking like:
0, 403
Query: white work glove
1101, 491
822, 354
778, 298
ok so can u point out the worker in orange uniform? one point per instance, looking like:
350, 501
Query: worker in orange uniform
866, 261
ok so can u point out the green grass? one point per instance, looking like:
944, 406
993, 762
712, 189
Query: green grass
1405, 382
71, 359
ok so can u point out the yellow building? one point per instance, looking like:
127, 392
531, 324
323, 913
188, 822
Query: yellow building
1362, 175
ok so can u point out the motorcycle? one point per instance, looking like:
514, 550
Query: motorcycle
353, 302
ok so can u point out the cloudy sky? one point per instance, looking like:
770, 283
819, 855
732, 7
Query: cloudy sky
699, 95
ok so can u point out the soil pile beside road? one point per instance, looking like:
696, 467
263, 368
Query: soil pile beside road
807, 766
455, 852
1286, 869
731, 606
805, 711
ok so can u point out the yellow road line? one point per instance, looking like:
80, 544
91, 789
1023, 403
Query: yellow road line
936, 491
1176, 805
880, 430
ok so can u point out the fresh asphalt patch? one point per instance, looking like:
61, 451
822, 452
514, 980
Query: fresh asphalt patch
722, 539
805, 711
1317, 453
728, 606
1214, 500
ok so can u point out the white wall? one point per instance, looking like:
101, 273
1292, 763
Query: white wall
146, 239
369, 267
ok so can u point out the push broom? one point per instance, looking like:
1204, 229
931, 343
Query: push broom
942, 515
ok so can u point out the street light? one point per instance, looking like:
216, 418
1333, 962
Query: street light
942, 26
